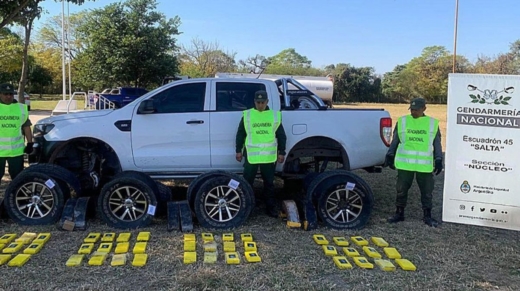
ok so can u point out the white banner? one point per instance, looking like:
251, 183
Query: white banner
483, 151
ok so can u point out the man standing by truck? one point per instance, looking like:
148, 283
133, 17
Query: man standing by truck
415, 149
261, 132
14, 125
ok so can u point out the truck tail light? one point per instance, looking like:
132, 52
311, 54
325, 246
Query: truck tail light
385, 127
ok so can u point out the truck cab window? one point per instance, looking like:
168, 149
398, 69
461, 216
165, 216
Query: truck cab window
181, 98
236, 96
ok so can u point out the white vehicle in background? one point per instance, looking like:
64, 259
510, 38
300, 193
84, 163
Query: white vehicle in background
321, 86
27, 99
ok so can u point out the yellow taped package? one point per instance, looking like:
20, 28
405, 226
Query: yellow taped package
2, 246
26, 237
371, 252
405, 264
92, 237
210, 257
363, 263
320, 239
341, 262
140, 248
143, 236
392, 253
229, 246
379, 241
105, 247
123, 237
228, 237
340, 241
385, 265
250, 246
42, 238
359, 240
190, 246
351, 252
19, 260
232, 258
207, 237
140, 260
97, 259
86, 248
118, 260
108, 237
190, 257
246, 237
4, 259
33, 248
74, 260
122, 247
210, 246
7, 238
12, 248
329, 250
252, 257
189, 237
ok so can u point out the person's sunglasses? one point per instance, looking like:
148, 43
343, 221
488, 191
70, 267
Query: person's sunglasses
260, 102
12, 94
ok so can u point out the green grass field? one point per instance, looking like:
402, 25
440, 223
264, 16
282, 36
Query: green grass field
451, 257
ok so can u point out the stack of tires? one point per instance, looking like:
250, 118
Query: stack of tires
342, 199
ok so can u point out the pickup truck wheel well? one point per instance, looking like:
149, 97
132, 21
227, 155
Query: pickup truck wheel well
93, 161
314, 150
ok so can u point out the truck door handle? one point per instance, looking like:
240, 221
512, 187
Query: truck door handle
195, 122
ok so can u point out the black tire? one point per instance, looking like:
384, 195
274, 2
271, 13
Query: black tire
307, 180
30, 186
120, 198
194, 186
163, 196
61, 174
229, 215
340, 210
317, 178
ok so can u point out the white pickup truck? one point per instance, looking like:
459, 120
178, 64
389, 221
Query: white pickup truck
186, 128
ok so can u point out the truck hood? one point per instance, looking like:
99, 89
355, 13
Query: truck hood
76, 115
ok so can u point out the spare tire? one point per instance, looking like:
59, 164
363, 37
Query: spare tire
223, 202
163, 196
34, 198
125, 201
344, 200
59, 173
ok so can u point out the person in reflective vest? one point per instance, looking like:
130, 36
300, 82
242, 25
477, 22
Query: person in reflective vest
261, 141
14, 125
415, 150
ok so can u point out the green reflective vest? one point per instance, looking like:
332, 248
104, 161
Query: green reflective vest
12, 117
261, 144
415, 150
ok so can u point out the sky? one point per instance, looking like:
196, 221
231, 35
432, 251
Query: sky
375, 33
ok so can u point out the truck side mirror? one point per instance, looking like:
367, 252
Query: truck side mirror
146, 107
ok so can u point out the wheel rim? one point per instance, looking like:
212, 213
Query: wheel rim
127, 203
344, 206
222, 203
34, 200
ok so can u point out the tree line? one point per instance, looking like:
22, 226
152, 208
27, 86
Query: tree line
131, 43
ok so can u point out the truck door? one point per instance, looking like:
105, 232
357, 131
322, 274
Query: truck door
231, 99
176, 136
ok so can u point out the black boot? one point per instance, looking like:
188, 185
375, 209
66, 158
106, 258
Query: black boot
398, 216
427, 218
271, 207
